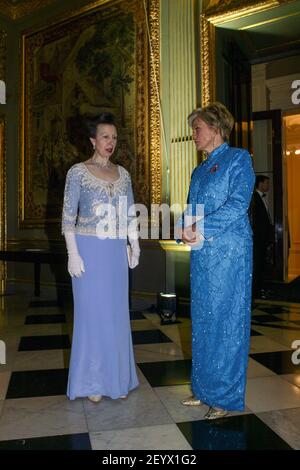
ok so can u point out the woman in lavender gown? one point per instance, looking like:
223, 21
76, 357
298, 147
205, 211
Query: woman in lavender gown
102, 361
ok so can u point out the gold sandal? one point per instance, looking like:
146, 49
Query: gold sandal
215, 413
191, 401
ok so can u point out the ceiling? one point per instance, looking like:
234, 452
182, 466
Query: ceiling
268, 33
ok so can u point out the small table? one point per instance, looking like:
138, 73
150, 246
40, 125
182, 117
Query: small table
37, 257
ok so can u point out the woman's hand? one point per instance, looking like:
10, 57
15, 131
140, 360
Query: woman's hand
133, 252
75, 265
75, 262
190, 236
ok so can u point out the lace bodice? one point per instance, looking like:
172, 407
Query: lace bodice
85, 193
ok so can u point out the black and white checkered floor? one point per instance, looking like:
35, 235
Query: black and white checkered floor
35, 413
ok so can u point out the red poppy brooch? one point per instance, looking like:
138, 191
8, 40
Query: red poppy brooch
214, 169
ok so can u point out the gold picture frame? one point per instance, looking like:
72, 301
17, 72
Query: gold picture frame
60, 83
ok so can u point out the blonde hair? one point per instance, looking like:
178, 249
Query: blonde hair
214, 115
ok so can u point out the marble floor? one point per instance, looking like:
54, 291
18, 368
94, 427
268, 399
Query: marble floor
35, 413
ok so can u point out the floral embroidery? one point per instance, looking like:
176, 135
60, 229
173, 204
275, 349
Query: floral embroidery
84, 192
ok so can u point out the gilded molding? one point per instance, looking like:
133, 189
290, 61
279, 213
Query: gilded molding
227, 10
207, 61
270, 21
155, 151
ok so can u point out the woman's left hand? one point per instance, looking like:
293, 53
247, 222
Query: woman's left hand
133, 251
190, 236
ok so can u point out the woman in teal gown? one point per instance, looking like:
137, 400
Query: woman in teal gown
221, 265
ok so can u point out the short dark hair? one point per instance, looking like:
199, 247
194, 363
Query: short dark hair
93, 123
260, 179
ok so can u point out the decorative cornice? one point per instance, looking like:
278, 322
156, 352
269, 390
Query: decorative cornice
24, 8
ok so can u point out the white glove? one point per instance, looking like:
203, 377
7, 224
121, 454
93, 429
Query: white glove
75, 265
133, 252
75, 262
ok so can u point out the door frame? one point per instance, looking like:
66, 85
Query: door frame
286, 113
210, 19
276, 117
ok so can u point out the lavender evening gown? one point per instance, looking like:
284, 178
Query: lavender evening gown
102, 361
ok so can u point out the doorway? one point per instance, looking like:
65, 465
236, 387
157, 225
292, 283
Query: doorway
291, 133
266, 149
